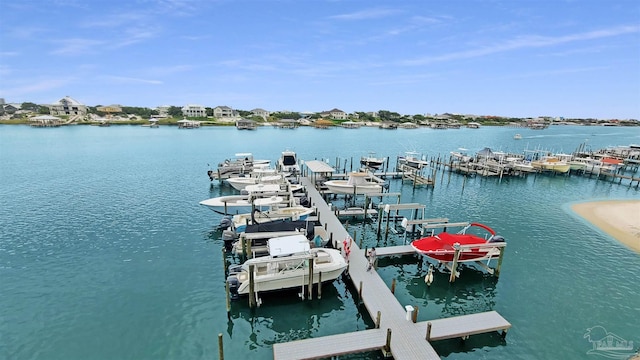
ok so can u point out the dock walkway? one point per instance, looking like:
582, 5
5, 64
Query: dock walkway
397, 335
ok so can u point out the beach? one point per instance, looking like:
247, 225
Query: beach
618, 218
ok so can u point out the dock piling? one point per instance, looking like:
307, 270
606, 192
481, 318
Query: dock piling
220, 348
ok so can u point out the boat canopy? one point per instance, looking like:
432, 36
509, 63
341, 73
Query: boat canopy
288, 245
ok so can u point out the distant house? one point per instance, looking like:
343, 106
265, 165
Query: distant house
224, 112
335, 114
67, 106
193, 110
10, 108
163, 111
261, 112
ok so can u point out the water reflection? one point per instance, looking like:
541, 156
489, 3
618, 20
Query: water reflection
283, 316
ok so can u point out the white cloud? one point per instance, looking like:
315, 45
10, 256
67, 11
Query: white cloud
366, 14
131, 80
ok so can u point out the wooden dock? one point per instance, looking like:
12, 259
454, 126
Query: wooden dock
395, 334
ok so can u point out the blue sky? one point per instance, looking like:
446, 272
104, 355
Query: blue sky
509, 58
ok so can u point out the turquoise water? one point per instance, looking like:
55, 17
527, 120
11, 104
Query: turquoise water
106, 254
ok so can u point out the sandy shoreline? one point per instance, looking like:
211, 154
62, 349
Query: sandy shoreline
618, 218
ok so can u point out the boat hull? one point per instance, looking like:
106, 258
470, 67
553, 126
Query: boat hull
342, 187
240, 204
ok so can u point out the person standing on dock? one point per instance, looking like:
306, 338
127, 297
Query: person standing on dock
372, 258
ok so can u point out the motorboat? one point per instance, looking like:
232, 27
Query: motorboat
412, 159
243, 163
442, 247
517, 137
358, 183
519, 164
460, 155
253, 244
371, 161
239, 222
551, 163
257, 176
286, 267
288, 163
240, 204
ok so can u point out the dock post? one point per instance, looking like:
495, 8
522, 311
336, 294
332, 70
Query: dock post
428, 331
252, 295
360, 293
248, 248
224, 262
379, 221
456, 256
226, 285
497, 272
387, 346
320, 285
393, 286
378, 320
310, 286
414, 315
220, 348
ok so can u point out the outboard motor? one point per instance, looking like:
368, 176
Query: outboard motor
234, 284
228, 236
304, 201
496, 239
226, 222
210, 173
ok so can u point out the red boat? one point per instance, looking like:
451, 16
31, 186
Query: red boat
442, 246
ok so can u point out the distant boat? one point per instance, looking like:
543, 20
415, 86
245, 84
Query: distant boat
286, 267
371, 161
288, 162
517, 137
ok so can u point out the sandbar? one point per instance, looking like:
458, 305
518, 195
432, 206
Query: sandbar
618, 218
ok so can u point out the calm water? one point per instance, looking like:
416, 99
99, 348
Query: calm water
106, 254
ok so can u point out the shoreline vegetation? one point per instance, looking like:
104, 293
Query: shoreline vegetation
619, 219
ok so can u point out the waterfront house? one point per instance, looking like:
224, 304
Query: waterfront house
193, 110
261, 112
224, 112
335, 114
67, 106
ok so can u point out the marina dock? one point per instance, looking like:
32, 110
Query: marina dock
395, 334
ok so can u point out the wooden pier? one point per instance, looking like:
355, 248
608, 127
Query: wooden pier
395, 334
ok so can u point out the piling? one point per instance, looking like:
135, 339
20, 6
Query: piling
320, 285
310, 286
499, 265
220, 348
378, 319
428, 337
252, 295
454, 266
414, 315
393, 286
228, 299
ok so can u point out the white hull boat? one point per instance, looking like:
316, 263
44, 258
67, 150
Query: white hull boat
240, 221
286, 267
240, 204
357, 184
288, 162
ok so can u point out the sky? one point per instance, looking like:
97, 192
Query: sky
523, 58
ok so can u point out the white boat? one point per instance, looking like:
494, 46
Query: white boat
412, 159
288, 163
519, 164
551, 163
239, 221
257, 176
371, 161
254, 244
517, 137
241, 204
358, 183
243, 163
286, 267
460, 155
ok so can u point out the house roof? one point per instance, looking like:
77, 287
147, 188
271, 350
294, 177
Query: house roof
68, 101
